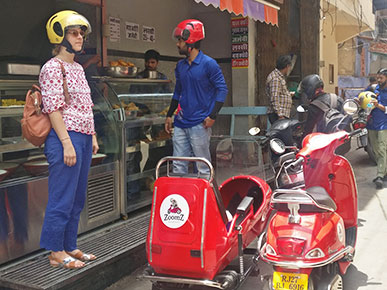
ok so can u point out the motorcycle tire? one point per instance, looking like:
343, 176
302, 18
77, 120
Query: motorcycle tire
331, 279
370, 152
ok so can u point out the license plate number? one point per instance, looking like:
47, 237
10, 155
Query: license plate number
290, 281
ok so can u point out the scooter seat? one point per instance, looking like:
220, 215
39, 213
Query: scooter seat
318, 200
322, 197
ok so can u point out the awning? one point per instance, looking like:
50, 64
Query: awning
256, 9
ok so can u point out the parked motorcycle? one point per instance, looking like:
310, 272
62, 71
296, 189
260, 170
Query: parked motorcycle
311, 237
289, 133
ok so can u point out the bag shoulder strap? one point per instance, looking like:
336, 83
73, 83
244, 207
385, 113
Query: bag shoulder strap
333, 98
65, 87
325, 108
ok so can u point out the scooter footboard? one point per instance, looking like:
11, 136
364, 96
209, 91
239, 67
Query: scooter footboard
187, 235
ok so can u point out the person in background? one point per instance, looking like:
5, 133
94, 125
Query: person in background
200, 91
377, 128
71, 141
280, 99
312, 88
372, 85
152, 58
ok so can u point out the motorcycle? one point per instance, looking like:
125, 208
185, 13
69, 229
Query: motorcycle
311, 237
360, 120
194, 245
289, 134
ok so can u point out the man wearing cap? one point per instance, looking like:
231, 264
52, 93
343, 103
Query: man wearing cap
200, 91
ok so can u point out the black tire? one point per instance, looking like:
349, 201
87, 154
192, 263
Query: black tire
370, 152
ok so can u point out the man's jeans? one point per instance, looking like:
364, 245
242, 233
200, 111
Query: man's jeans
379, 145
188, 142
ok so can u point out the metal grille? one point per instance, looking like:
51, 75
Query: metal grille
100, 195
36, 273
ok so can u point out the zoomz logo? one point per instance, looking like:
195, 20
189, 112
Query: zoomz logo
174, 211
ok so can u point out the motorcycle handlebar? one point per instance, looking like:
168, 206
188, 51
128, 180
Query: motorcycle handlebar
295, 163
355, 132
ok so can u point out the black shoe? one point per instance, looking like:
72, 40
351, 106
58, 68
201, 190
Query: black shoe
385, 178
378, 182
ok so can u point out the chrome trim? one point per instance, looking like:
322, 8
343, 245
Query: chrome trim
152, 223
203, 228
300, 191
207, 283
303, 264
188, 159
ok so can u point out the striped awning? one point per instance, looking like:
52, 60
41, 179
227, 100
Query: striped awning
260, 10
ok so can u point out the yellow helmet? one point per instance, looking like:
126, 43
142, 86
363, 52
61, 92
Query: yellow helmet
60, 21
365, 98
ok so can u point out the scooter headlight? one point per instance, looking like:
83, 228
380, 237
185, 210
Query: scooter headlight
270, 251
315, 254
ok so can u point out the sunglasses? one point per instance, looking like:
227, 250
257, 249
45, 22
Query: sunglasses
76, 33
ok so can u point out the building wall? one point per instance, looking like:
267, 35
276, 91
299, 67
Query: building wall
297, 34
329, 56
346, 54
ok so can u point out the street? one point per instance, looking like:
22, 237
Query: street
368, 269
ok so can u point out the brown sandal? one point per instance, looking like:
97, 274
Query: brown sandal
82, 257
67, 263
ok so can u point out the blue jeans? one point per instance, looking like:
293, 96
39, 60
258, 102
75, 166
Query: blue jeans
66, 192
188, 142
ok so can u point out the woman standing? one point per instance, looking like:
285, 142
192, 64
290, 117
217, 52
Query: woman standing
72, 139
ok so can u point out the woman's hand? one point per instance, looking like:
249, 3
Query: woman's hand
69, 155
95, 144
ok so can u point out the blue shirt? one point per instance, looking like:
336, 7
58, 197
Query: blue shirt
198, 87
378, 119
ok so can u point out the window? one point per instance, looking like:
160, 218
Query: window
331, 73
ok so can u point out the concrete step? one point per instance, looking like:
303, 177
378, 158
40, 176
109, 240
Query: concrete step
119, 247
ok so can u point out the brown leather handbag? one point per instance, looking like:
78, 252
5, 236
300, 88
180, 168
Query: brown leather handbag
35, 124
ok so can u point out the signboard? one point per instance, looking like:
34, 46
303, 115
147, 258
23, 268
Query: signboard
132, 31
239, 42
114, 29
148, 34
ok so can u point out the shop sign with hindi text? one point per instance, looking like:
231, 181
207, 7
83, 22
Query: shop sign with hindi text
239, 42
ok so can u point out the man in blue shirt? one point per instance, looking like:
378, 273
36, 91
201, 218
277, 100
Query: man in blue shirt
200, 91
377, 128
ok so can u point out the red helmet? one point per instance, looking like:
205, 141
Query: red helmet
190, 31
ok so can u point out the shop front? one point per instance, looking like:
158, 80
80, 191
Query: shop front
129, 112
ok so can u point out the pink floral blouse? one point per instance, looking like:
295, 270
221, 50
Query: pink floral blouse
78, 113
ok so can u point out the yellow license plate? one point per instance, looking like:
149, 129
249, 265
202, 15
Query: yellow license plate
290, 281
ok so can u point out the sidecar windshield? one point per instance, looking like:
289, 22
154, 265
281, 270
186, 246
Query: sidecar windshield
240, 156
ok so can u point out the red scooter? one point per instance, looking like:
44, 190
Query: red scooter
196, 229
311, 237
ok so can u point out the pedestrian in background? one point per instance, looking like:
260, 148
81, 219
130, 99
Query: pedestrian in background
372, 85
280, 99
377, 128
200, 91
71, 141
151, 59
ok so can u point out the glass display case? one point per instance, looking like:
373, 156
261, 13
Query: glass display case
142, 104
24, 173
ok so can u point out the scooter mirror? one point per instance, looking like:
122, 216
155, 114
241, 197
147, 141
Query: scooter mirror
350, 107
301, 109
277, 146
254, 131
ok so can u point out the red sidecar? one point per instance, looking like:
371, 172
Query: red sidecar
196, 244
